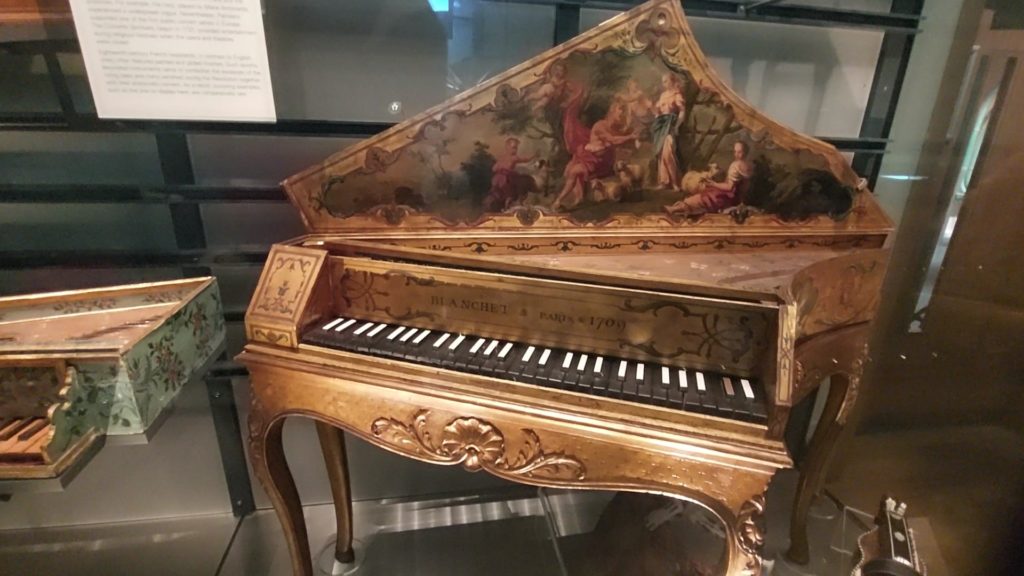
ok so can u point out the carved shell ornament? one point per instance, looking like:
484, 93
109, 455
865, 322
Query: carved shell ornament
477, 445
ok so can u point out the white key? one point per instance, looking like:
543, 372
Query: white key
747, 390
491, 347
504, 351
479, 343
363, 328
457, 342
683, 383
376, 330
408, 335
583, 363
333, 323
598, 363
700, 382
528, 354
666, 377
345, 325
729, 390
544, 356
640, 371
423, 335
441, 340
567, 361
396, 332
622, 370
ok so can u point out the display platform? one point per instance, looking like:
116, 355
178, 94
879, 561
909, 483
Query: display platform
507, 530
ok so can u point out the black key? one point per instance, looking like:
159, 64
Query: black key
320, 338
556, 373
585, 380
629, 383
570, 375
732, 395
387, 345
404, 347
600, 369
420, 349
717, 391
759, 405
691, 400
506, 357
644, 388
519, 364
675, 395
666, 384
616, 377
705, 400
474, 355
532, 365
358, 339
461, 356
490, 357
450, 350
547, 365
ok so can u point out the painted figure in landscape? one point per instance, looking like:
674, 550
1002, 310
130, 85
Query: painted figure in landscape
592, 149
552, 90
508, 185
589, 136
638, 105
713, 196
671, 107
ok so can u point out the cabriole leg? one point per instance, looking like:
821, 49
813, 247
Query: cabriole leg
812, 471
268, 462
332, 444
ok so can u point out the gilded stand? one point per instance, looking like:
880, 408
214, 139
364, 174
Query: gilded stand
519, 445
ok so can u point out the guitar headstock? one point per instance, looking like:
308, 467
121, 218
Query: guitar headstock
889, 549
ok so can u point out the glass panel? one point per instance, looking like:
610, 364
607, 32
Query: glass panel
355, 60
78, 158
233, 224
846, 5
49, 280
25, 84
224, 159
86, 227
814, 80
73, 67
237, 284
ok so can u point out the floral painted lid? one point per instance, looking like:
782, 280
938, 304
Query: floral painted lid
97, 322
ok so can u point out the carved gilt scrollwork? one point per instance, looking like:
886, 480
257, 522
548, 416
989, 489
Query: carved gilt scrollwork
749, 534
477, 445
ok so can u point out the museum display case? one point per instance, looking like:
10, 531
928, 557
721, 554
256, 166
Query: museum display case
918, 98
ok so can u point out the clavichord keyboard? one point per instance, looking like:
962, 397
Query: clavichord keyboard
561, 369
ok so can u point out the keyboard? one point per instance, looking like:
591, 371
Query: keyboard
646, 383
